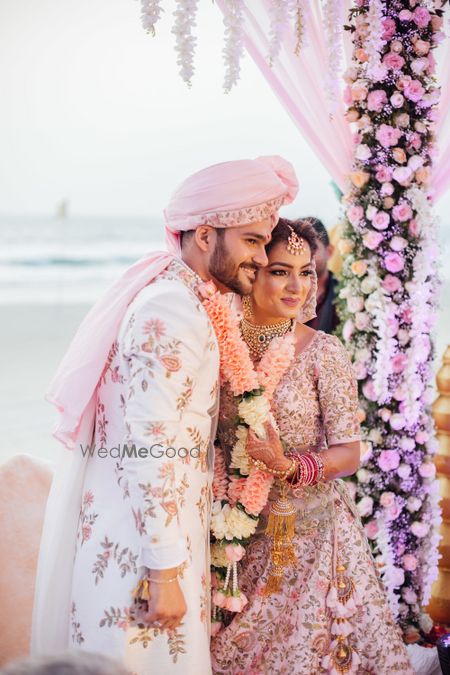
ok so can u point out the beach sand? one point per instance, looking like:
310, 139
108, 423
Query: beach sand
34, 338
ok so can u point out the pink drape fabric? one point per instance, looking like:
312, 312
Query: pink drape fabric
441, 174
298, 82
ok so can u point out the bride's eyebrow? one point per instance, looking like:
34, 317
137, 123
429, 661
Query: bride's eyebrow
308, 265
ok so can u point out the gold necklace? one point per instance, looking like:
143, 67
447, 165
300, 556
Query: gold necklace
258, 338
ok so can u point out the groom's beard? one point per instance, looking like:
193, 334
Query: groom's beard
223, 268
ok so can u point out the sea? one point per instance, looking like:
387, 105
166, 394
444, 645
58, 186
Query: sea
70, 260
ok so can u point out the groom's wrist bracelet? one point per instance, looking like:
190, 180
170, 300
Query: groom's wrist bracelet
162, 581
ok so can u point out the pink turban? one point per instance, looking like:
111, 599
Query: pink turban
229, 195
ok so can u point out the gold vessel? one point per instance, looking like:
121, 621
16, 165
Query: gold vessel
439, 606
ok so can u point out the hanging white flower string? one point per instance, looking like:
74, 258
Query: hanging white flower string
333, 11
234, 42
300, 12
185, 41
279, 12
151, 11
375, 43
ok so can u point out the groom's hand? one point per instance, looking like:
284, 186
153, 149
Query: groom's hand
268, 450
166, 606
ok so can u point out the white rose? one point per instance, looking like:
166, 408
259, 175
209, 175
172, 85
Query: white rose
426, 623
240, 525
239, 456
375, 436
363, 151
219, 526
363, 475
369, 284
365, 506
355, 303
218, 556
255, 410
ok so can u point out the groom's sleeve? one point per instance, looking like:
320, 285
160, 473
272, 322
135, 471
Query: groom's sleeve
163, 344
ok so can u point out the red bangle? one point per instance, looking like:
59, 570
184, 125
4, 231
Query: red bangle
309, 470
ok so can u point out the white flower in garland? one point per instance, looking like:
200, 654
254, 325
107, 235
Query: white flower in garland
279, 12
254, 410
185, 40
375, 43
333, 11
151, 11
239, 455
234, 42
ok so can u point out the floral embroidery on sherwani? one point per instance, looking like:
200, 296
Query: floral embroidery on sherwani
288, 633
158, 392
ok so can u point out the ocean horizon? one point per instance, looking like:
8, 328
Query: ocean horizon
69, 260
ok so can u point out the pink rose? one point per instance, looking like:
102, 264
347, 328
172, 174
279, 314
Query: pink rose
372, 239
236, 603
387, 499
371, 529
380, 221
402, 212
347, 96
219, 598
397, 577
414, 91
397, 100
369, 390
207, 289
414, 142
385, 414
393, 512
398, 243
358, 91
419, 529
216, 627
362, 322
421, 437
421, 17
234, 552
389, 28
397, 422
409, 596
421, 47
405, 15
394, 61
347, 330
388, 460
383, 174
427, 470
376, 100
355, 303
399, 362
387, 189
391, 284
355, 214
419, 65
402, 174
406, 315
394, 262
387, 136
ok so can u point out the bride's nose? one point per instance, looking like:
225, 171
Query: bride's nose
294, 283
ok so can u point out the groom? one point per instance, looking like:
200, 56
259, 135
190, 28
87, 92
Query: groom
140, 386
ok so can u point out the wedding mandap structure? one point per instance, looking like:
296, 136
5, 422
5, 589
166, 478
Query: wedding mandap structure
367, 84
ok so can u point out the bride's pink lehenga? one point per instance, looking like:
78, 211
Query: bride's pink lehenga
293, 632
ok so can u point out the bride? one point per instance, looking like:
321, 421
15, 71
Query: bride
318, 606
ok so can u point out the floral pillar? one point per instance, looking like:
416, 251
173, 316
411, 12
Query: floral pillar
388, 292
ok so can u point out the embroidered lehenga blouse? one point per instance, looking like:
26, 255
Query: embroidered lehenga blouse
292, 631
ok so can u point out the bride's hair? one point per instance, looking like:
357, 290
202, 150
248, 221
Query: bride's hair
302, 227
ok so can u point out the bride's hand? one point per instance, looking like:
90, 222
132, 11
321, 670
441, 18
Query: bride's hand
268, 450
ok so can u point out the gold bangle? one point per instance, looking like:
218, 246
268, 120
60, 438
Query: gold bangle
162, 581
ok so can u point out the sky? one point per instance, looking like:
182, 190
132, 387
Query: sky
93, 110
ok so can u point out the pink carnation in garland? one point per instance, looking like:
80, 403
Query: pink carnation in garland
256, 492
220, 479
272, 366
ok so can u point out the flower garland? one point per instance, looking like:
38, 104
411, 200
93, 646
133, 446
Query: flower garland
150, 14
387, 299
333, 11
185, 41
234, 42
240, 497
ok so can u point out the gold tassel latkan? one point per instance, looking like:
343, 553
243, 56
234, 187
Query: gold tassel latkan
281, 528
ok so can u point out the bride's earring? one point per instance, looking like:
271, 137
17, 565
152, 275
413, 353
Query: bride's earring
247, 307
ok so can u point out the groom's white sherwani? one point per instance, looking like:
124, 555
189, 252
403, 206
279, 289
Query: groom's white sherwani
147, 488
